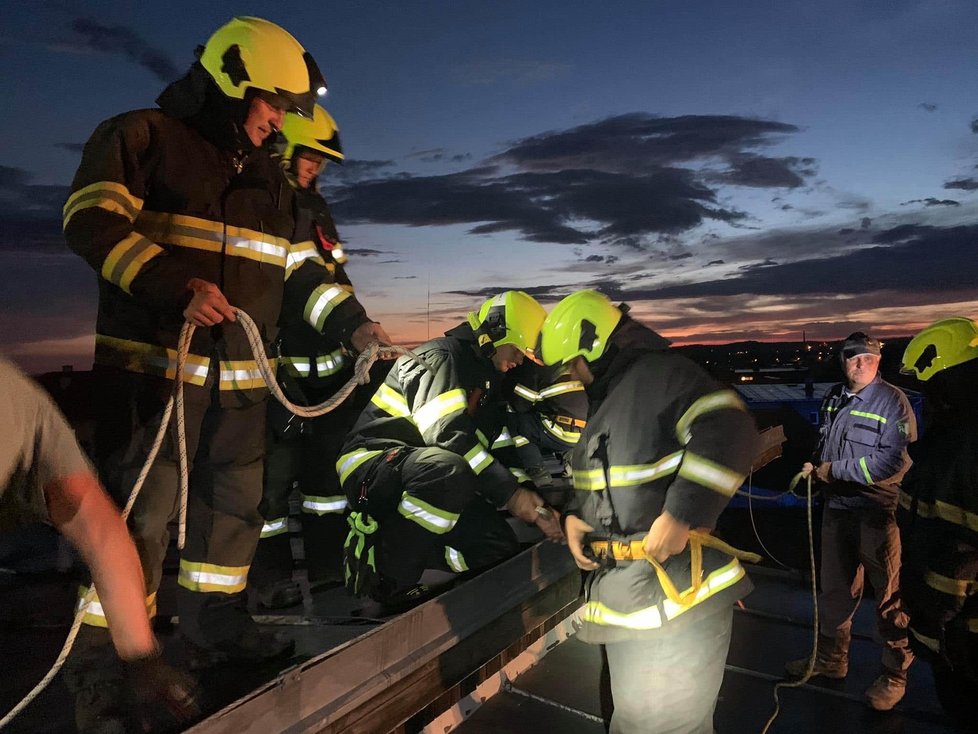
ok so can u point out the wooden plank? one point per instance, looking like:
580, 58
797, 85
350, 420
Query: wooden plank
769, 445
322, 691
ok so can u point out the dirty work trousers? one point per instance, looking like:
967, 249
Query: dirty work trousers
225, 448
429, 515
857, 543
303, 456
669, 684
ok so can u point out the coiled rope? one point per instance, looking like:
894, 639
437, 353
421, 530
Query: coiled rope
361, 376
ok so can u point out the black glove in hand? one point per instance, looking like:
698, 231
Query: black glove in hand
155, 683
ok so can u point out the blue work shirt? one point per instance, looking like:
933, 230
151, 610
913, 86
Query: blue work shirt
865, 436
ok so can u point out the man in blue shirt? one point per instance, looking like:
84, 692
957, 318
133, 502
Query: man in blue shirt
861, 456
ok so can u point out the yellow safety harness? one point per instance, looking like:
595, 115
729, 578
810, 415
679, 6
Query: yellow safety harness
634, 550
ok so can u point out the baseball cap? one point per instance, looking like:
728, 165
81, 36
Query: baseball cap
859, 343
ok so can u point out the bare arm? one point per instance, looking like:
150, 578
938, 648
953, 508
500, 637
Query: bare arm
80, 509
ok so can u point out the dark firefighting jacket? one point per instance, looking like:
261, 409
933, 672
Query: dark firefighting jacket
660, 435
448, 403
166, 195
938, 516
314, 364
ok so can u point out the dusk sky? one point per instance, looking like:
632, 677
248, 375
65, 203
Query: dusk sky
733, 170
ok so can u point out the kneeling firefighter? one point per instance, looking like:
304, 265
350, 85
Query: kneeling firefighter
663, 451
312, 367
417, 469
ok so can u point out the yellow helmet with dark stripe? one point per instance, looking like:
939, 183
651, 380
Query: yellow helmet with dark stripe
252, 53
942, 345
318, 134
579, 326
512, 317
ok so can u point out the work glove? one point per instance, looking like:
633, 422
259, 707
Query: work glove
359, 559
155, 684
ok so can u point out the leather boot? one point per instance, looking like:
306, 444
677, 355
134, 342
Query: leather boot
831, 659
887, 690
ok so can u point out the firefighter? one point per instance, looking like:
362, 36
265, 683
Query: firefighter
861, 457
182, 213
548, 412
312, 367
937, 506
663, 451
44, 475
417, 470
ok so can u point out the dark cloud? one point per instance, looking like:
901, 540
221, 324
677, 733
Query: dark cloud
367, 252
404, 277
964, 184
72, 147
865, 223
928, 106
352, 171
715, 262
931, 201
974, 125
119, 39
763, 172
907, 258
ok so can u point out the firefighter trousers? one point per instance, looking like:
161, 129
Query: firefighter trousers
304, 456
225, 449
429, 515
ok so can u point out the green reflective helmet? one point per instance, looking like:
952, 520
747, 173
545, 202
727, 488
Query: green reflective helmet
512, 317
319, 134
580, 325
943, 344
252, 53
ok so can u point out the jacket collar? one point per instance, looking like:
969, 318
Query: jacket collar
629, 341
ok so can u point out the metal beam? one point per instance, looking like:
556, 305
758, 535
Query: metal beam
334, 691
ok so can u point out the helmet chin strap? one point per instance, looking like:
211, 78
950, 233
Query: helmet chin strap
482, 337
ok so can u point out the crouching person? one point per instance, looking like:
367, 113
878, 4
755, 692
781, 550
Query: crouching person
422, 484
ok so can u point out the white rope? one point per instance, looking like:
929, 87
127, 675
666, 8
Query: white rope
361, 376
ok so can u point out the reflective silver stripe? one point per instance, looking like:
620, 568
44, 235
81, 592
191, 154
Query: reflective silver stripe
520, 441
349, 462
321, 303
526, 393
390, 400
561, 388
275, 527
627, 475
478, 459
455, 560
709, 474
428, 516
719, 400
441, 406
521, 476
330, 364
241, 375
300, 367
212, 577
504, 439
298, 254
277, 251
323, 505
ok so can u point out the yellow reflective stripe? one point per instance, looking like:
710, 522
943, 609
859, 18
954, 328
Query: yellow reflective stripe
561, 388
946, 585
862, 465
330, 364
313, 505
127, 258
478, 459
520, 441
942, 510
709, 474
483, 439
296, 366
298, 253
526, 393
719, 400
348, 463
930, 643
559, 433
627, 475
650, 617
428, 516
871, 416
391, 401
440, 406
149, 359
109, 195
271, 528
455, 560
181, 230
242, 374
521, 476
208, 577
95, 614
504, 439
321, 303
